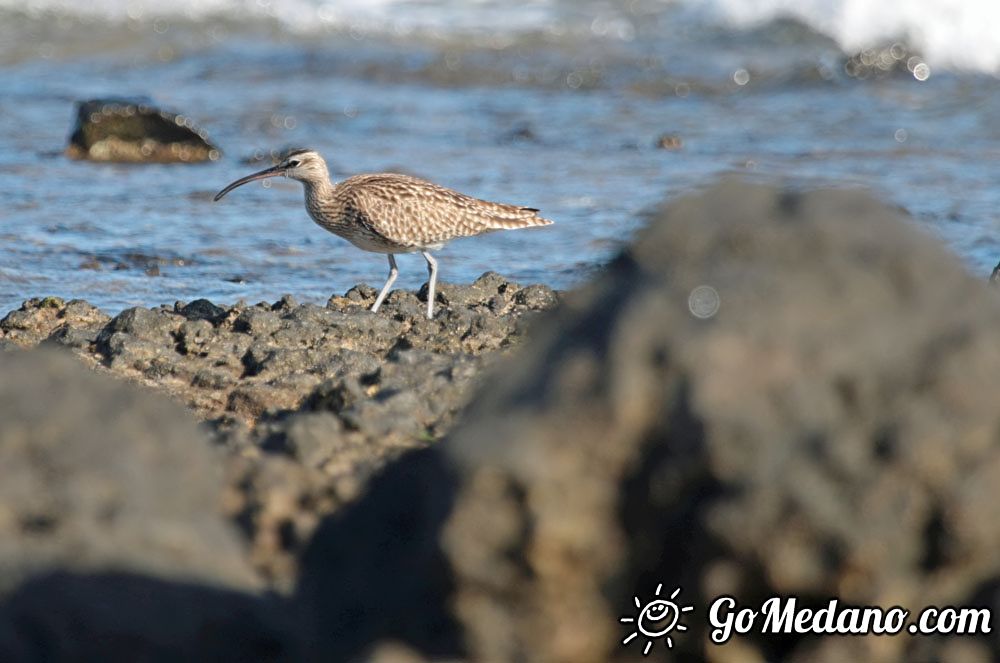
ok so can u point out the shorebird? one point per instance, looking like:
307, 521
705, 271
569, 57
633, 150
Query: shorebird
391, 213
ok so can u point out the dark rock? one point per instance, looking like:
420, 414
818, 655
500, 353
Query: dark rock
142, 323
537, 297
202, 309
142, 340
480, 292
407, 305
122, 617
134, 131
38, 319
270, 361
257, 322
21, 319
310, 316
826, 428
72, 337
286, 303
194, 336
78, 312
216, 380
359, 293
97, 476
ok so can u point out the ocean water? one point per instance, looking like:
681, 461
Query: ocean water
555, 104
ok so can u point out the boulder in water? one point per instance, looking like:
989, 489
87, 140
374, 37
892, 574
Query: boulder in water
133, 131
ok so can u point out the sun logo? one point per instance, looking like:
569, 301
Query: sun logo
656, 619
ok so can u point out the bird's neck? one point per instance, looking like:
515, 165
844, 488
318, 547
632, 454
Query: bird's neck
318, 189
323, 202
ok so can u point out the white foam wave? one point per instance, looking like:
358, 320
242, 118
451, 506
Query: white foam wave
956, 34
435, 16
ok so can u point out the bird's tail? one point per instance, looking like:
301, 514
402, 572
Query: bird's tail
509, 217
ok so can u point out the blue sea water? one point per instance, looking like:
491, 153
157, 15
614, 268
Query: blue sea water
553, 104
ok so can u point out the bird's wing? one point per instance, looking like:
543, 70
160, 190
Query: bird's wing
413, 212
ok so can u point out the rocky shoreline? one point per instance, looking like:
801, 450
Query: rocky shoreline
309, 401
499, 483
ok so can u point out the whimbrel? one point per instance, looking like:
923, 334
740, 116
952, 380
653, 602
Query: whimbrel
390, 213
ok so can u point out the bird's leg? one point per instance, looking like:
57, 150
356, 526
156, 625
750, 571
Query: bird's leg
432, 271
388, 283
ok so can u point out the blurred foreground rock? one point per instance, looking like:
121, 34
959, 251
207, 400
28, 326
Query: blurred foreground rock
831, 431
112, 546
134, 131
95, 474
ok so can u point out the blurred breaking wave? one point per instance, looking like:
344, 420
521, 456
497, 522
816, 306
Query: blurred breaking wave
957, 36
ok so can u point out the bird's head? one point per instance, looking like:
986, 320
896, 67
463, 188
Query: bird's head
302, 165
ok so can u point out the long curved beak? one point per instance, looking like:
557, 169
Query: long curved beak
274, 171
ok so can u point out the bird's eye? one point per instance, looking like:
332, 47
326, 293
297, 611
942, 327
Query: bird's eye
293, 163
